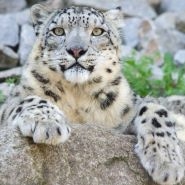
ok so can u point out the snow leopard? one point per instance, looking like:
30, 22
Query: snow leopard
73, 75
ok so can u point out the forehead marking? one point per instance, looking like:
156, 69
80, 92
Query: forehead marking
75, 14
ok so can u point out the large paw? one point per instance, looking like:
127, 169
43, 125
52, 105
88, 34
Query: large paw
49, 132
158, 146
165, 169
45, 123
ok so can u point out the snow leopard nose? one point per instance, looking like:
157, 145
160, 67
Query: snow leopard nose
76, 52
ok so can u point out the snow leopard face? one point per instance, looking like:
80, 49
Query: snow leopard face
77, 42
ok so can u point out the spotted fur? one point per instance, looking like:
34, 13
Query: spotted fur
74, 75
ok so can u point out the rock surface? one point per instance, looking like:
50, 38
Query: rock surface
92, 156
171, 40
129, 7
154, 2
22, 17
180, 57
130, 31
10, 73
180, 22
173, 5
5, 89
166, 20
8, 58
9, 32
11, 5
26, 42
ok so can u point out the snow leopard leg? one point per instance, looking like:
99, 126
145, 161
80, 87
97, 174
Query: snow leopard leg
158, 146
41, 120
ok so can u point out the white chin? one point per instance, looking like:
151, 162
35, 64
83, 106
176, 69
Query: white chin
76, 76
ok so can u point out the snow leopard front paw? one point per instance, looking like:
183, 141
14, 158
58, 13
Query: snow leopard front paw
42, 121
158, 146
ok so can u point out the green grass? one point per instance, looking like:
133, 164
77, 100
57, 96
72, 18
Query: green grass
2, 97
139, 74
9, 81
13, 80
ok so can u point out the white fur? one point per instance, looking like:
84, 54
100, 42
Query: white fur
76, 76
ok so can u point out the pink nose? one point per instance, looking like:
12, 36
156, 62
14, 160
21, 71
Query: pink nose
76, 52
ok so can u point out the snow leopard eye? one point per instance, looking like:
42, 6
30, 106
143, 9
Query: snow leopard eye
58, 31
97, 31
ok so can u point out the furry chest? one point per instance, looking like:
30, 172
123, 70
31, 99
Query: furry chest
90, 112
75, 108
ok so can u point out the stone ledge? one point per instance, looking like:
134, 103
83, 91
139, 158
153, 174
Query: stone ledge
92, 156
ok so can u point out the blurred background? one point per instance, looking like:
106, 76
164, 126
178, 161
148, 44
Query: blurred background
153, 49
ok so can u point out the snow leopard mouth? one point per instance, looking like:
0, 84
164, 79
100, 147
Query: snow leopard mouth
77, 67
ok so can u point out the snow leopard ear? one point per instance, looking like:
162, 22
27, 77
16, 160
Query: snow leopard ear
39, 14
115, 16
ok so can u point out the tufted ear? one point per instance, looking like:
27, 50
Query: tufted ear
39, 14
115, 16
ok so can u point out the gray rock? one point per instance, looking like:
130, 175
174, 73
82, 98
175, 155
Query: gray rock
11, 5
127, 51
166, 20
156, 36
8, 58
149, 42
92, 156
130, 31
32, 2
179, 57
16, 71
54, 4
180, 22
171, 40
22, 17
26, 42
156, 72
173, 5
139, 8
170, 29
9, 32
154, 3
171, 20
5, 89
